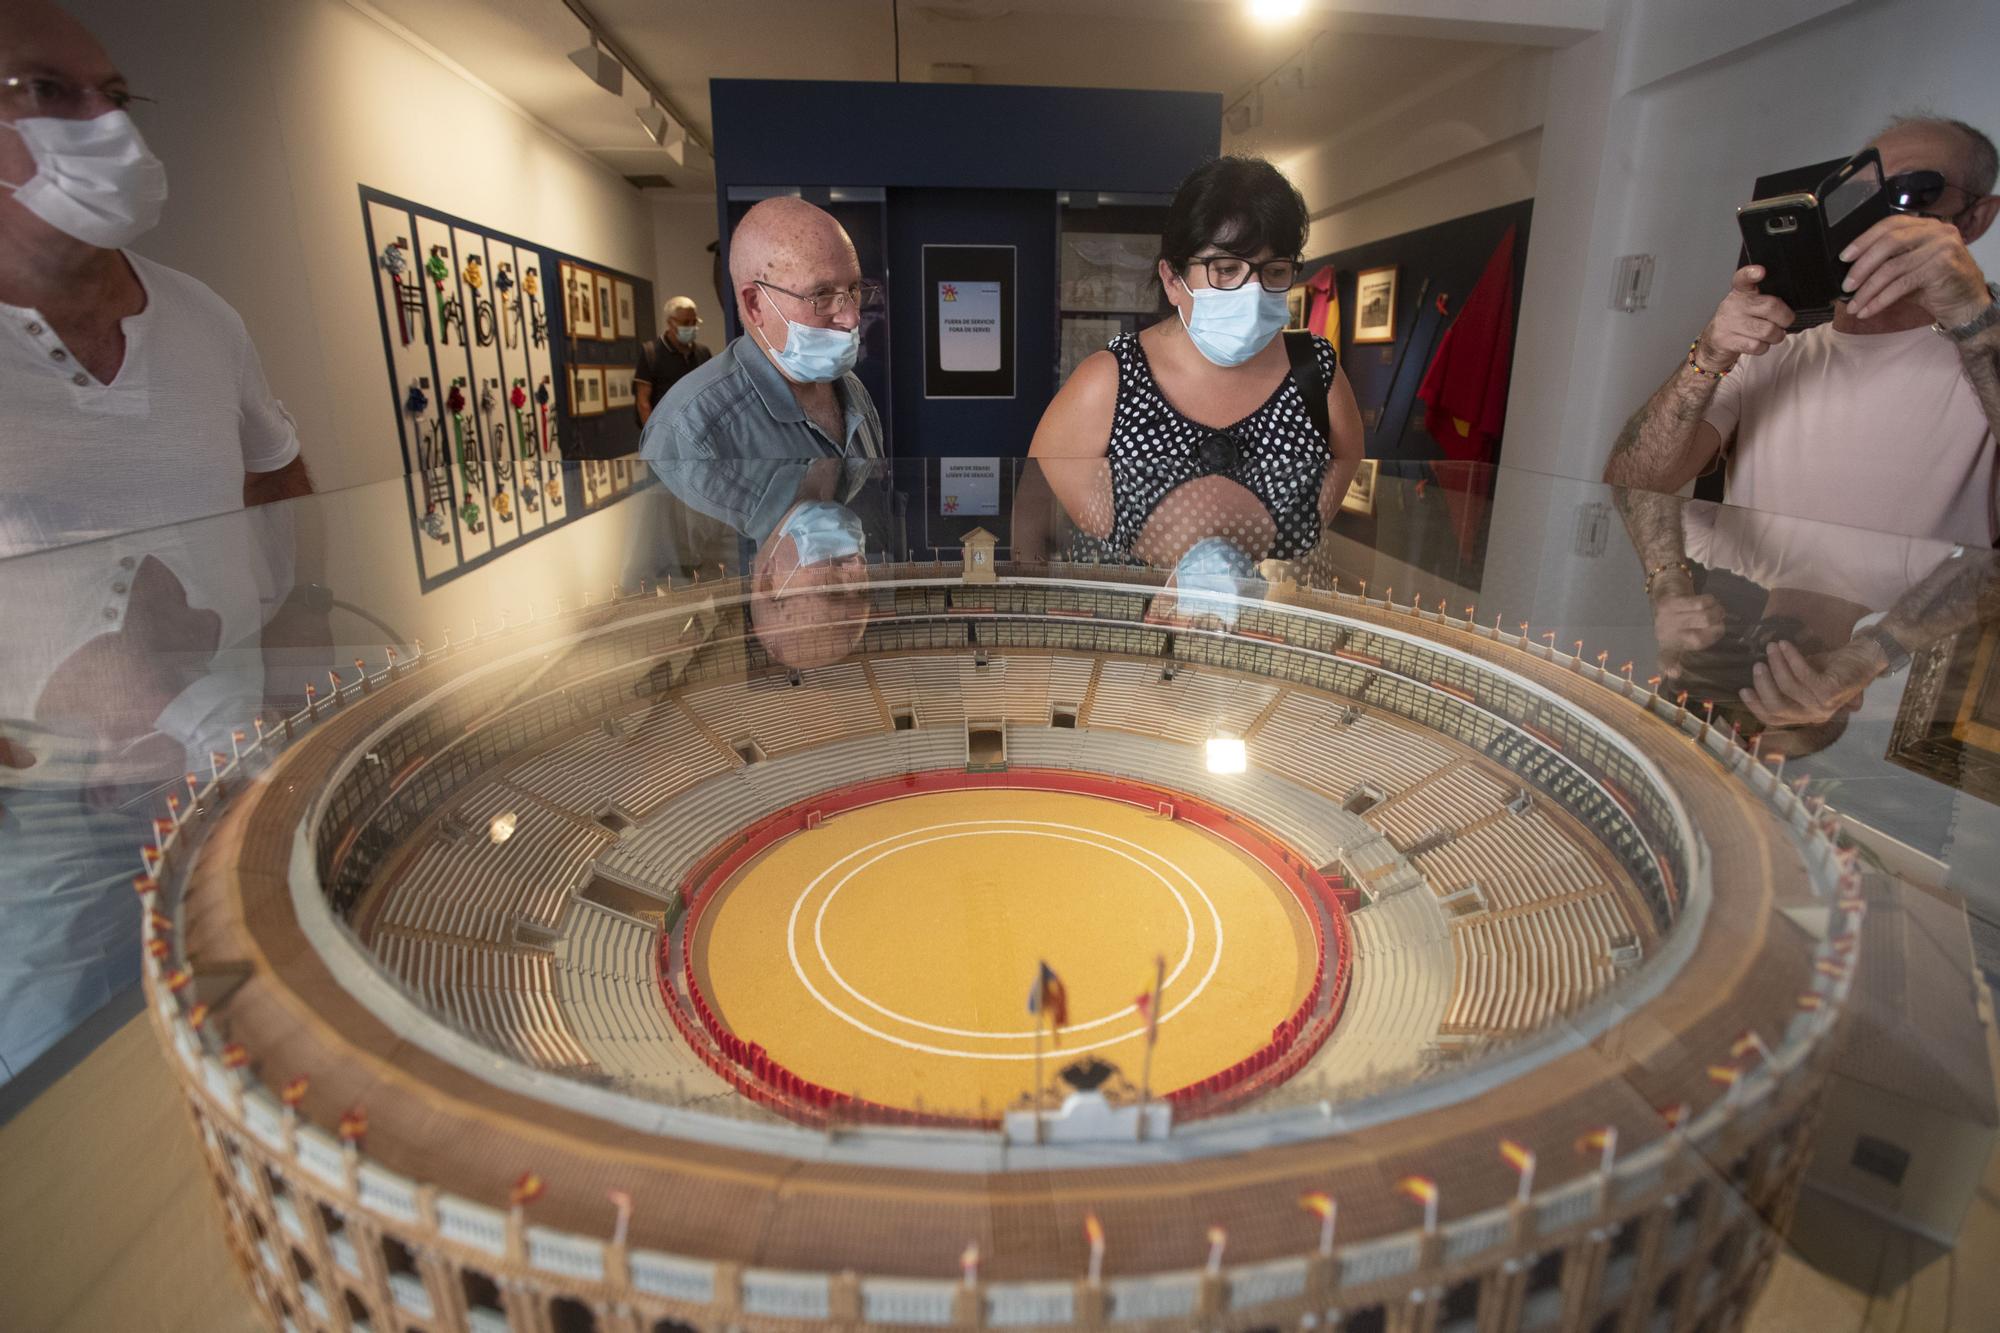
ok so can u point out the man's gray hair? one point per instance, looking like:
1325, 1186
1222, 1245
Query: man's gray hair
1982, 163
679, 303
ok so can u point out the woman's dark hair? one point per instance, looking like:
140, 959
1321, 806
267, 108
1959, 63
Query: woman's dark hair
1239, 204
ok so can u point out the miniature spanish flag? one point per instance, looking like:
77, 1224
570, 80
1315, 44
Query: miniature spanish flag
968, 1263
1318, 1203
527, 1188
1604, 1142
1726, 1075
1746, 1044
1826, 967
1093, 1231
144, 884
1218, 1238
178, 979
1425, 1191
353, 1125
198, 1016
1675, 1115
159, 921
234, 1056
158, 948
1522, 1159
1811, 1000
294, 1090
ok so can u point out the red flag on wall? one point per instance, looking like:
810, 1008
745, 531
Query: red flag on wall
1465, 389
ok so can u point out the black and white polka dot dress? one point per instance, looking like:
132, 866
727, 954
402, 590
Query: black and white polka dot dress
1275, 453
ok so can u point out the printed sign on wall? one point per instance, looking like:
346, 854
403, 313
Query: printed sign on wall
968, 321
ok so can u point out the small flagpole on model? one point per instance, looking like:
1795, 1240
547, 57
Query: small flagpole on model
1040, 1022
1152, 1039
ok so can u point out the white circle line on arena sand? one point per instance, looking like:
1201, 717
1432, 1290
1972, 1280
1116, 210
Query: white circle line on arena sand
791, 947
819, 918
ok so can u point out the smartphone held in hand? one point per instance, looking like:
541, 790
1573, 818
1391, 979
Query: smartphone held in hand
1797, 238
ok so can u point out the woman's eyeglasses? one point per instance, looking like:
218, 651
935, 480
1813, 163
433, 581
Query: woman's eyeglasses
1228, 272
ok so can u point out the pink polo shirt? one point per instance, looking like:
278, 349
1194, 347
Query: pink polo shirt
1879, 431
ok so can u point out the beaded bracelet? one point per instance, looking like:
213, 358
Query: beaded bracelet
1699, 369
1658, 570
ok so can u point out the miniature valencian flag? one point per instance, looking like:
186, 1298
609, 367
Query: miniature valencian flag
527, 1188
1425, 1191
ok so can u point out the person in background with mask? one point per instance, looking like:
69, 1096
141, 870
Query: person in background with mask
1195, 440
131, 401
777, 417
669, 357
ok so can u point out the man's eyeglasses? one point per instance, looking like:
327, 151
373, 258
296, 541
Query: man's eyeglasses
829, 301
1918, 191
27, 95
1228, 272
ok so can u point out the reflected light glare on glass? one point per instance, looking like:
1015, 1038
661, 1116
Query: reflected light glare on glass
502, 827
1226, 754
1276, 11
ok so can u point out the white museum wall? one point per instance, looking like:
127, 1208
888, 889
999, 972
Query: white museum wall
683, 226
271, 116
1463, 142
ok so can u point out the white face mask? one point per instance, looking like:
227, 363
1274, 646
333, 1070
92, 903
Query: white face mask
94, 179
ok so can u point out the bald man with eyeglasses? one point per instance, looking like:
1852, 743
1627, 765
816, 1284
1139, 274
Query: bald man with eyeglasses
778, 417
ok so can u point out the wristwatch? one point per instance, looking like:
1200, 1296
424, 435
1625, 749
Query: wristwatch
1893, 653
1979, 323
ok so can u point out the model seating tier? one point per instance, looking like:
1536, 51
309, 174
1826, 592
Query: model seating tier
764, 744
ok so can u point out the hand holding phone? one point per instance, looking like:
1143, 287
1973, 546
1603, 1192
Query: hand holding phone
1749, 322
1797, 239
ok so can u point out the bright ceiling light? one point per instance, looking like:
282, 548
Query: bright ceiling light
1276, 11
1226, 754
502, 827
599, 66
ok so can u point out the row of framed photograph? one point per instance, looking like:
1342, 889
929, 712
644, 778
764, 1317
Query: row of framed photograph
1374, 306
597, 305
595, 390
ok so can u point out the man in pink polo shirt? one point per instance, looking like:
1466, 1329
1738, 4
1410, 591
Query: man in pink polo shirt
1883, 419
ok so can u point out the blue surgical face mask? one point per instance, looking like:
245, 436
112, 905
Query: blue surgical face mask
814, 355
684, 333
822, 531
1230, 327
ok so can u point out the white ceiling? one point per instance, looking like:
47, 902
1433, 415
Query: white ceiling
520, 47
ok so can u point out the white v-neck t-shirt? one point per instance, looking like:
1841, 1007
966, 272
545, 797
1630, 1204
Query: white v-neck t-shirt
1879, 431
168, 440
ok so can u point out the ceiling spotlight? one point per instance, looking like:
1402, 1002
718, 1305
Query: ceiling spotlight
663, 130
502, 827
1226, 754
599, 64
1276, 11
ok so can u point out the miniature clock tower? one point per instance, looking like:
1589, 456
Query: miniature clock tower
979, 545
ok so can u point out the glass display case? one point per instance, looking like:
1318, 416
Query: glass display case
836, 933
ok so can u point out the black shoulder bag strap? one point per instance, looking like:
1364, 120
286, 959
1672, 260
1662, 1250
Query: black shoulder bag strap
1305, 374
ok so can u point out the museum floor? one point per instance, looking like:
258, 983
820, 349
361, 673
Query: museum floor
110, 1130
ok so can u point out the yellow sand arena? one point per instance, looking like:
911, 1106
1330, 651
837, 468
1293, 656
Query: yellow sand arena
889, 953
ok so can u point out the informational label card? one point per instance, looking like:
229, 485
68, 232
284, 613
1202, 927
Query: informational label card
969, 486
969, 332
968, 315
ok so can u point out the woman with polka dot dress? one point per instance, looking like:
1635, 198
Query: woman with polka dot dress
1193, 443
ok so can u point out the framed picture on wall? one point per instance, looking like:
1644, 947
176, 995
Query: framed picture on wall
1375, 305
586, 391
1295, 307
579, 301
624, 308
607, 325
1360, 497
618, 386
